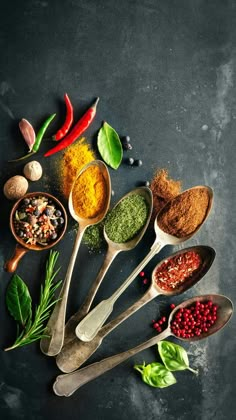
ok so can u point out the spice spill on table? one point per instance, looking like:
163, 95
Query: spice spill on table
71, 162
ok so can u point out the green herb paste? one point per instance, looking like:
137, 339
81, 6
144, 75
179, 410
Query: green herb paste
127, 218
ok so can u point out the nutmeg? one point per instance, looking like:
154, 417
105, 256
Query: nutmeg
15, 187
33, 170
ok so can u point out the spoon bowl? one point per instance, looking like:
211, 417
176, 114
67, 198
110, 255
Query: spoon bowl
175, 240
146, 193
67, 384
224, 313
207, 255
85, 222
113, 250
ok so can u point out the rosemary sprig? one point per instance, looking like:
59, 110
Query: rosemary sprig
33, 329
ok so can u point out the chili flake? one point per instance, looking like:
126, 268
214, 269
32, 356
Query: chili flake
177, 269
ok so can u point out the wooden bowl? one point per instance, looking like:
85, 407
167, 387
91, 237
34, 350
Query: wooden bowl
22, 247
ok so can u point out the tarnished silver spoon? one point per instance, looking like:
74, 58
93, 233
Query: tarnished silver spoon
90, 325
113, 250
77, 352
52, 343
66, 385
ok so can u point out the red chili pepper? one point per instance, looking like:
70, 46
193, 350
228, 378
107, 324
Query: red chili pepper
76, 131
68, 121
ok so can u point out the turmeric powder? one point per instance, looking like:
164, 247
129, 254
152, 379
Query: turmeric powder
89, 193
73, 159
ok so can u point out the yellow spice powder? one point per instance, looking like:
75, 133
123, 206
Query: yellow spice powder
72, 161
89, 193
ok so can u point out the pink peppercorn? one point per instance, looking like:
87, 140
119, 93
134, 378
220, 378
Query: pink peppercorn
190, 322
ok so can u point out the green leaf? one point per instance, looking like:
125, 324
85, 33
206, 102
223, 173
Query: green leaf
34, 329
109, 146
174, 356
156, 375
18, 300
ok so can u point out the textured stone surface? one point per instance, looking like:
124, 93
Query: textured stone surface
165, 73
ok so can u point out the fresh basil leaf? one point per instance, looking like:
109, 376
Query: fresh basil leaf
109, 146
156, 375
174, 356
18, 300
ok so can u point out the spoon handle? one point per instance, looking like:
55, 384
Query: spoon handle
52, 344
66, 385
84, 309
90, 325
76, 352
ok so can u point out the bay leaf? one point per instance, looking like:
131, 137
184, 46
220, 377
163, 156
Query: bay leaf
18, 300
109, 146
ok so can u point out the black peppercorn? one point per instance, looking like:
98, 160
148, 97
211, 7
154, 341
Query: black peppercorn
131, 161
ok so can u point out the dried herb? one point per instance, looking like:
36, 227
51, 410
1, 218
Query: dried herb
126, 219
18, 302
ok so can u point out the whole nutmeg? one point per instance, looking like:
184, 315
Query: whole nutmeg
15, 187
33, 170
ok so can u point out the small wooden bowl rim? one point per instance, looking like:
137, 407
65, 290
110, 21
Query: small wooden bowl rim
37, 247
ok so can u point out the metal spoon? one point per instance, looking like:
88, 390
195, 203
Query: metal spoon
90, 325
52, 344
113, 250
66, 385
77, 352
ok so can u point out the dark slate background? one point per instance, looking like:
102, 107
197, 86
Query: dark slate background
165, 73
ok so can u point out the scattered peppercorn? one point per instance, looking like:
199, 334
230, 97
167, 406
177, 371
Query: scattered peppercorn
138, 162
147, 184
159, 325
130, 161
126, 139
142, 274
